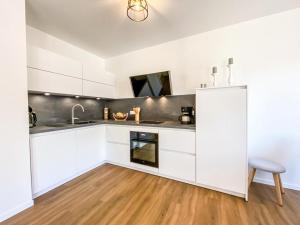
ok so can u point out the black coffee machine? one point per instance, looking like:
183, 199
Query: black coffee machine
187, 115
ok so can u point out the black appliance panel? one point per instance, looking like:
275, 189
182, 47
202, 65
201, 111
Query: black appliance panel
144, 148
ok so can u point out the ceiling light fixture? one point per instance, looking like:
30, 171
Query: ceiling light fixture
137, 10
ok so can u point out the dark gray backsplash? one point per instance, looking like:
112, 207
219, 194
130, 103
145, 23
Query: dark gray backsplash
153, 108
55, 109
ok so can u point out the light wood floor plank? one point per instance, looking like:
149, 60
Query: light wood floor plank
114, 195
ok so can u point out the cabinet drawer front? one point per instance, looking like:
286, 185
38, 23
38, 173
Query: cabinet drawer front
118, 153
177, 165
177, 140
118, 134
43, 81
46, 60
94, 89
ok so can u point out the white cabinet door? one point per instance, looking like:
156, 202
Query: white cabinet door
43, 81
177, 165
93, 89
95, 71
177, 140
118, 134
90, 143
108, 78
46, 60
221, 139
118, 153
52, 159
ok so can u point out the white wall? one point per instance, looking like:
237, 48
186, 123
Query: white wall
92, 65
266, 52
15, 180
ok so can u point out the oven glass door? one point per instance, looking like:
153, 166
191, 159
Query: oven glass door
144, 152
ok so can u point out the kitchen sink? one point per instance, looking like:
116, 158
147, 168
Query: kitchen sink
68, 124
56, 125
85, 122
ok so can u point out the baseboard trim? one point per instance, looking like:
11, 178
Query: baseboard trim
12, 212
271, 183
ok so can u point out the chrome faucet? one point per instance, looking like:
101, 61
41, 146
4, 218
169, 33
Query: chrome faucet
74, 118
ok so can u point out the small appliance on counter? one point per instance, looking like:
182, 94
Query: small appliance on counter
32, 117
187, 115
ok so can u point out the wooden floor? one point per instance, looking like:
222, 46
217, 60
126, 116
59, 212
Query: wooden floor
115, 195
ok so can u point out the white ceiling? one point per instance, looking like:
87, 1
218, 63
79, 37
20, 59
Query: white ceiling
102, 27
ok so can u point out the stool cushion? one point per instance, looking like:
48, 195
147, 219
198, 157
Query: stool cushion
266, 165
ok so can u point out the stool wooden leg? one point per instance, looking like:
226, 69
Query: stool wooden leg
281, 186
251, 176
278, 189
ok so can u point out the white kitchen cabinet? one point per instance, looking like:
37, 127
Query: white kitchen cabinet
97, 89
108, 78
90, 144
43, 81
118, 153
54, 73
46, 60
53, 158
177, 153
143, 129
177, 165
221, 139
59, 156
118, 134
177, 140
95, 71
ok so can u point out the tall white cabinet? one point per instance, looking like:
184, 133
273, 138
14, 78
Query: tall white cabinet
221, 139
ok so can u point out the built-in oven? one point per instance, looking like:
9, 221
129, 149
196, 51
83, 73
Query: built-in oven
144, 148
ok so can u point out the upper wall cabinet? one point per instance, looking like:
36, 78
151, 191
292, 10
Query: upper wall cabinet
43, 81
54, 73
95, 89
95, 71
42, 59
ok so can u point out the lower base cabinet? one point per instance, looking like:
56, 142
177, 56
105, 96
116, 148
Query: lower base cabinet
57, 157
177, 165
118, 153
90, 146
52, 159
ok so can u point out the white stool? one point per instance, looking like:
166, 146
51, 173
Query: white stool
268, 166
